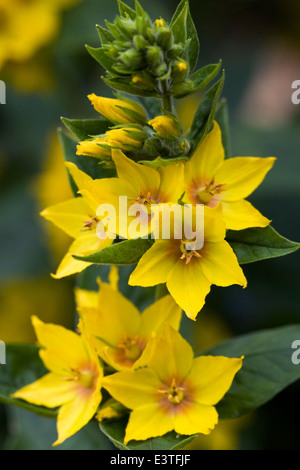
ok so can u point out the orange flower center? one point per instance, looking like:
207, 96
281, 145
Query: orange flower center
84, 376
91, 223
208, 193
129, 350
173, 394
187, 250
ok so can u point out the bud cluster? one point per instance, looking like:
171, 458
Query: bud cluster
142, 53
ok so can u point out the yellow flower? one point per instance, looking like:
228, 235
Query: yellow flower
175, 392
141, 184
209, 178
78, 219
189, 272
121, 335
74, 380
166, 126
119, 111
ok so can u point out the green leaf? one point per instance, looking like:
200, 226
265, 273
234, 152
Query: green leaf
198, 81
121, 253
159, 162
178, 11
83, 129
179, 25
194, 45
267, 368
106, 36
255, 244
222, 118
126, 85
100, 55
23, 366
126, 10
205, 113
115, 431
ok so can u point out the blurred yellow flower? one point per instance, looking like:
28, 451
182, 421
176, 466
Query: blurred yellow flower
26, 26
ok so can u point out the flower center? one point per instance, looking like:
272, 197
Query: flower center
141, 199
84, 377
129, 350
174, 394
208, 193
188, 250
91, 223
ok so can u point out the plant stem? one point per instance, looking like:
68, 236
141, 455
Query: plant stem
167, 98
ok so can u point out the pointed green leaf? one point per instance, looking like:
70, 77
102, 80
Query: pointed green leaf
106, 36
179, 26
178, 11
23, 366
115, 431
100, 55
194, 45
121, 253
205, 114
83, 129
259, 243
126, 10
138, 8
123, 84
267, 368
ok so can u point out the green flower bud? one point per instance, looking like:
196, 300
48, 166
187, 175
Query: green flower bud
152, 146
139, 42
132, 58
154, 55
180, 71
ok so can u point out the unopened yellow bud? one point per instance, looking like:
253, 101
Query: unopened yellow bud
160, 23
92, 148
119, 111
165, 126
126, 138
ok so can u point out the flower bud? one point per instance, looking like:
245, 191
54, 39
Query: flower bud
126, 138
94, 148
166, 126
180, 71
119, 111
155, 55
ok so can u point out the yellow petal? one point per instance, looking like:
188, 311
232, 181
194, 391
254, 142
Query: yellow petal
144, 178
69, 216
50, 391
86, 298
207, 158
239, 215
172, 356
146, 422
196, 418
164, 310
75, 414
242, 175
94, 148
80, 177
155, 265
133, 388
212, 377
171, 182
67, 344
189, 286
220, 265
114, 309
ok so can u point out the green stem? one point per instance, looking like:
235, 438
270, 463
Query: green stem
167, 98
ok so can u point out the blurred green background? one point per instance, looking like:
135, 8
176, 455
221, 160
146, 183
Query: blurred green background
50, 76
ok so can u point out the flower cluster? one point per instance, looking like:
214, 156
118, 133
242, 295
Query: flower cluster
153, 374
147, 368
